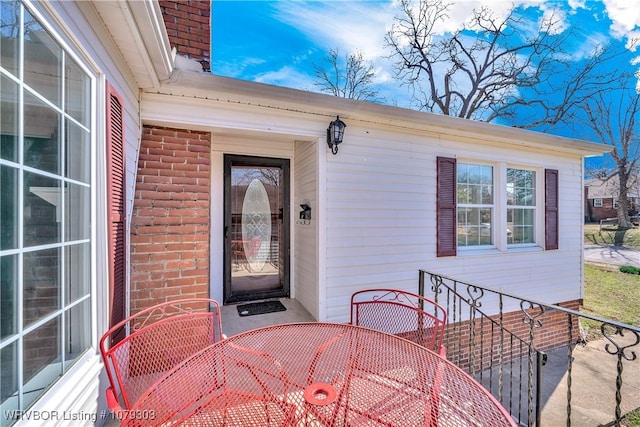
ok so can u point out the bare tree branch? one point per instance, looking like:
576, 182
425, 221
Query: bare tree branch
493, 68
352, 78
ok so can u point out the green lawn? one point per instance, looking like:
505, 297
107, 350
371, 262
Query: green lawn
611, 294
610, 235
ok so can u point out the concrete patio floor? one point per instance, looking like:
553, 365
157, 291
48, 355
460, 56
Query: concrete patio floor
233, 323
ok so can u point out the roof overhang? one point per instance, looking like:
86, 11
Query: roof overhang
137, 28
198, 90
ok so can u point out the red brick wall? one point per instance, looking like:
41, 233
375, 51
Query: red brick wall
170, 223
551, 332
603, 212
188, 26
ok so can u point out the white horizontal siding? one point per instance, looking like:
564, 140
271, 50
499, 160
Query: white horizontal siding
381, 196
256, 146
305, 235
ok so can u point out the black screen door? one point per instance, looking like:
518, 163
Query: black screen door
256, 228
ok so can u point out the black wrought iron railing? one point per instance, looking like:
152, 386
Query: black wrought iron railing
534, 357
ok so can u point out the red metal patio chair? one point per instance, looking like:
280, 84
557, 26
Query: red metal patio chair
401, 313
139, 350
409, 316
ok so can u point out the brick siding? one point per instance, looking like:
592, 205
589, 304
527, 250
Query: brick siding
188, 27
603, 212
551, 331
171, 215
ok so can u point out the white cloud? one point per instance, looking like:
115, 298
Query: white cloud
625, 15
577, 4
589, 45
236, 68
346, 25
287, 76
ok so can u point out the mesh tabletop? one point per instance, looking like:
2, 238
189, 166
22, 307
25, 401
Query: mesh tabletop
317, 374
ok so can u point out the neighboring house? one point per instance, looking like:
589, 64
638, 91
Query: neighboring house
130, 176
601, 198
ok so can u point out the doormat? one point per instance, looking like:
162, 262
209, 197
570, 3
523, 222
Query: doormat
260, 308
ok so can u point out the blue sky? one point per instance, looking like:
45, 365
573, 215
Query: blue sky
278, 42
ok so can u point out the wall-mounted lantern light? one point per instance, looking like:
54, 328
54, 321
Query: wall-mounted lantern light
335, 132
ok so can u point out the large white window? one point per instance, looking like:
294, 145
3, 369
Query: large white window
496, 206
45, 208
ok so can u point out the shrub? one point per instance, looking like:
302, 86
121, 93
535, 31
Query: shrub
630, 269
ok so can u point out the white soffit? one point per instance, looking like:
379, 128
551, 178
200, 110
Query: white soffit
198, 91
137, 28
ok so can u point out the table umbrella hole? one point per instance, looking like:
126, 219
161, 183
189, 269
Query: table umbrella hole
320, 394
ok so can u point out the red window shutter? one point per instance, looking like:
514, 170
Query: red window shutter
446, 207
116, 208
551, 209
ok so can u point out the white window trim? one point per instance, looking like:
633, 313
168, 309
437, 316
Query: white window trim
597, 202
499, 227
66, 391
482, 248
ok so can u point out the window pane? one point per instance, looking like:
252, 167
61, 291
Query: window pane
521, 191
78, 208
8, 207
475, 187
42, 60
474, 226
9, 376
475, 184
521, 225
77, 92
78, 151
10, 33
78, 278
8, 295
9, 119
521, 187
78, 336
42, 135
41, 287
42, 198
41, 360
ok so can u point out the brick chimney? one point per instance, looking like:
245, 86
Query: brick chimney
188, 25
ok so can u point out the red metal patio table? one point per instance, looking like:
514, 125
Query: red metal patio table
317, 374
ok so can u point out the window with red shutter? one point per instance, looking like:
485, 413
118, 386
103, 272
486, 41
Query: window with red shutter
116, 208
519, 203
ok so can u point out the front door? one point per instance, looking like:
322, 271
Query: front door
256, 238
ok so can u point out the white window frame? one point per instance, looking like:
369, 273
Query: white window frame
597, 202
492, 206
77, 368
535, 208
499, 226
